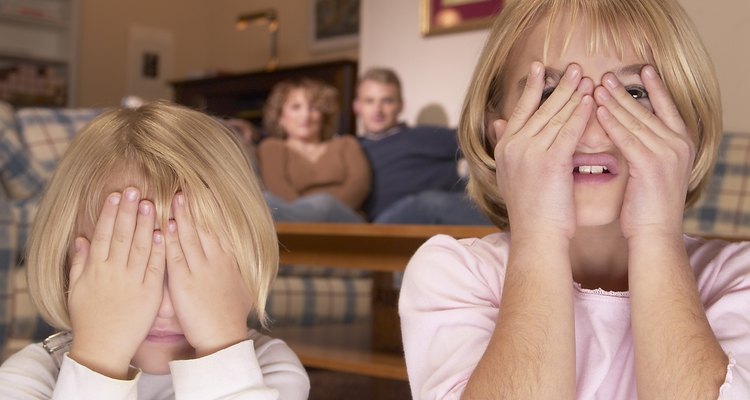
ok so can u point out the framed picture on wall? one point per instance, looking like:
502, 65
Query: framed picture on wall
334, 24
447, 16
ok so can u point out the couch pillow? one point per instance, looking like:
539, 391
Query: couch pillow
20, 178
724, 208
47, 132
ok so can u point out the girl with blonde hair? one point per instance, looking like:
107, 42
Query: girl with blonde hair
151, 248
588, 127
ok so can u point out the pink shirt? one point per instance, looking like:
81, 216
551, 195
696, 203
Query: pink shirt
450, 299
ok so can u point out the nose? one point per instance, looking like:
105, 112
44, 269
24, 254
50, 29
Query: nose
594, 137
166, 309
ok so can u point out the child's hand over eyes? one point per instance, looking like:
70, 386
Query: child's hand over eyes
659, 152
209, 294
534, 153
116, 284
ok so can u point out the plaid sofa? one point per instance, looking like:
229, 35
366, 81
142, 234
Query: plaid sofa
32, 140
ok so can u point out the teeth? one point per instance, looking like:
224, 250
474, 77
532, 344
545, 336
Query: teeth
592, 169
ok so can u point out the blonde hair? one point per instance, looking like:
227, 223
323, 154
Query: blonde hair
161, 148
658, 30
322, 96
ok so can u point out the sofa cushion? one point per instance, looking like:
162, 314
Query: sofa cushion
47, 132
20, 178
724, 208
310, 300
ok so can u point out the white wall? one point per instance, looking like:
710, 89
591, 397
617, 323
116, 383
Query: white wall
435, 70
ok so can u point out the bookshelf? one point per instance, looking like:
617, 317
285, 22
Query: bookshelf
38, 52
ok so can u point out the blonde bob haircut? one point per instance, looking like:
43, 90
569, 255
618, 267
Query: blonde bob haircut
161, 148
659, 31
322, 96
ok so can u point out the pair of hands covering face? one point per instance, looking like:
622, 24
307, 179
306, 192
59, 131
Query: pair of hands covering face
535, 147
117, 282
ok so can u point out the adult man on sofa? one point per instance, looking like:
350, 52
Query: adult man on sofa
415, 169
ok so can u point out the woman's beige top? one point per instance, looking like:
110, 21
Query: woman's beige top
342, 171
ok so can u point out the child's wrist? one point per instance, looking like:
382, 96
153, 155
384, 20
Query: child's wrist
105, 363
221, 343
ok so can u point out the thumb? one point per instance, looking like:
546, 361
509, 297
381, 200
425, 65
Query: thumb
80, 255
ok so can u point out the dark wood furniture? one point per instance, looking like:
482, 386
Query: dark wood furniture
243, 95
373, 348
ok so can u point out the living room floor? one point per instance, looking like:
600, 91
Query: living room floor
327, 385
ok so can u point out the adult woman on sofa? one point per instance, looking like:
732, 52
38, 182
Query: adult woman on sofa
310, 174
588, 127
151, 248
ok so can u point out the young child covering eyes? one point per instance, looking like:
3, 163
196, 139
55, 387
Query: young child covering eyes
592, 291
152, 246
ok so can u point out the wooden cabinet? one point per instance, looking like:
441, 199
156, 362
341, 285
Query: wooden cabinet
243, 95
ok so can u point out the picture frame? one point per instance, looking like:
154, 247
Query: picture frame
334, 24
449, 16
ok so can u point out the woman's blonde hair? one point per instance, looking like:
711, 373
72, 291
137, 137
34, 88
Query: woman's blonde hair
322, 96
161, 148
658, 30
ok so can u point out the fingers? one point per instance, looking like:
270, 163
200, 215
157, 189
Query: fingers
567, 126
122, 235
661, 100
188, 235
80, 255
157, 261
143, 236
530, 98
559, 98
102, 237
176, 262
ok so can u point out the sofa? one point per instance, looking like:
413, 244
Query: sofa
33, 139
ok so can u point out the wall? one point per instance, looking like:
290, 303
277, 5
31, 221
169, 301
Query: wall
435, 70
203, 37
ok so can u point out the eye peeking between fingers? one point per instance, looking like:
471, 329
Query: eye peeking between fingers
641, 94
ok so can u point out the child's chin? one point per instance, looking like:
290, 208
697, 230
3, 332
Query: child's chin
598, 217
154, 359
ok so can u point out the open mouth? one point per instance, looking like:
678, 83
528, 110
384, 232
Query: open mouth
591, 169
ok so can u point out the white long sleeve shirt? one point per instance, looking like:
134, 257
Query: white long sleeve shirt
258, 368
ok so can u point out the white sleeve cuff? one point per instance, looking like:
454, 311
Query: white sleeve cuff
233, 371
77, 381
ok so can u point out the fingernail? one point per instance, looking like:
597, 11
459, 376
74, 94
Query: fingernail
144, 208
536, 69
158, 237
114, 199
172, 226
610, 81
649, 71
180, 199
131, 194
572, 72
